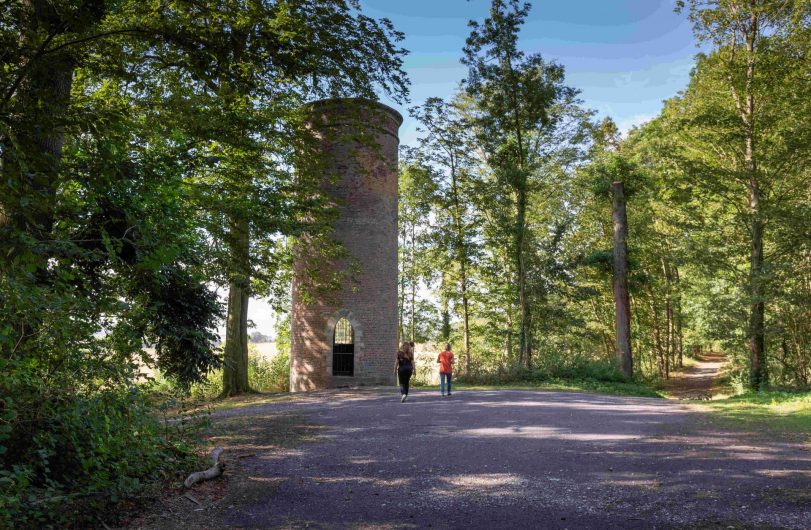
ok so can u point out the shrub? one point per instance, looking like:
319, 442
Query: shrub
573, 367
264, 375
269, 375
68, 451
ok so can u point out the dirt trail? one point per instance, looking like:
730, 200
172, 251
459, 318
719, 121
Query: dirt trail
697, 382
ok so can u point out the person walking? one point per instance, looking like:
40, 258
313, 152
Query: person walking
404, 368
445, 360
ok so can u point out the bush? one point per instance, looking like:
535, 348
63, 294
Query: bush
269, 375
573, 368
68, 452
264, 375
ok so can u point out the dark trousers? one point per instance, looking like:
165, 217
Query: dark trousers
405, 377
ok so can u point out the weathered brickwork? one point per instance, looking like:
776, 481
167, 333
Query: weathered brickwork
361, 140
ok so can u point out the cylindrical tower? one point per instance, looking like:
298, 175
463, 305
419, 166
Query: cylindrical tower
348, 337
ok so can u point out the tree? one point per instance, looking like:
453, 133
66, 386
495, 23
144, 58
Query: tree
417, 262
446, 148
622, 303
513, 93
736, 105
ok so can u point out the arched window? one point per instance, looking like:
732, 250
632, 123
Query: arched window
343, 349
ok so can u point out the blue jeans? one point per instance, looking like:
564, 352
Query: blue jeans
442, 379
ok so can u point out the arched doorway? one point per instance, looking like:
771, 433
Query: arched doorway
343, 349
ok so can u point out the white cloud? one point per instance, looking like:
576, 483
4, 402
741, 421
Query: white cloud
634, 121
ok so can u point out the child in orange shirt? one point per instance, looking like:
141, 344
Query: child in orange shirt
445, 360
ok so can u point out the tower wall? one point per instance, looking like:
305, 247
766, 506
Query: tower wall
360, 139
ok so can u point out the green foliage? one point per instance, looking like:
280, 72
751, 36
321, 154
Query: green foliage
264, 375
269, 376
68, 452
528, 127
543, 382
136, 139
536, 230
775, 410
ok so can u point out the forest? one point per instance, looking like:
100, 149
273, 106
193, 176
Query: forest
148, 191
515, 176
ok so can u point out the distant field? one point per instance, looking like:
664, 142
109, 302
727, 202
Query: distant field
266, 350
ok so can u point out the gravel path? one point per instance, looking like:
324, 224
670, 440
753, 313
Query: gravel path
512, 459
698, 381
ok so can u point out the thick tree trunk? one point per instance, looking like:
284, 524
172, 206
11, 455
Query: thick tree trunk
36, 109
40, 110
508, 343
235, 370
758, 374
466, 325
622, 304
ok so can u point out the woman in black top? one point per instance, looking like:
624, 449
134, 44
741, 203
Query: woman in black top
404, 368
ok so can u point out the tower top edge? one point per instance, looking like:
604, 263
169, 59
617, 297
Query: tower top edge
356, 102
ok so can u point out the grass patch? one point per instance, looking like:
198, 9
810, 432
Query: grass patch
249, 400
614, 388
774, 410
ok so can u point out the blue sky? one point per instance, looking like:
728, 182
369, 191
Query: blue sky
626, 56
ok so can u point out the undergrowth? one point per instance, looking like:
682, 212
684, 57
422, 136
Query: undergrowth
71, 449
264, 375
787, 411
576, 374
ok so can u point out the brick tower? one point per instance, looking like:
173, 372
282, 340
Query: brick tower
349, 337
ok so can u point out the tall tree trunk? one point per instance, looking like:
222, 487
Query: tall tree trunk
669, 333
36, 105
38, 109
401, 315
657, 337
508, 343
413, 283
446, 313
678, 319
758, 373
622, 305
466, 324
524, 339
235, 370
524, 336
462, 258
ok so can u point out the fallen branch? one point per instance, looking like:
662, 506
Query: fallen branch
214, 471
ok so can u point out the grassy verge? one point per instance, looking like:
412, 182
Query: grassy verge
788, 412
260, 436
248, 400
614, 388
